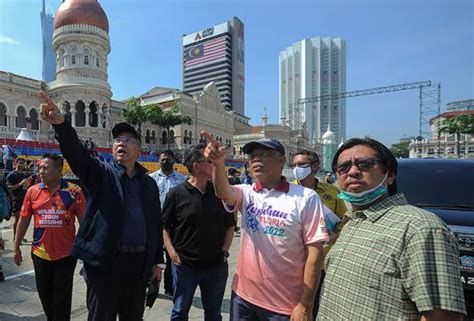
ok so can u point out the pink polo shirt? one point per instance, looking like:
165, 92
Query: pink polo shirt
277, 224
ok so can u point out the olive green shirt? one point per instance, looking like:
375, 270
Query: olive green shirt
392, 261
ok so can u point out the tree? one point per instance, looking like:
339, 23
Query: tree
462, 124
135, 114
167, 119
400, 150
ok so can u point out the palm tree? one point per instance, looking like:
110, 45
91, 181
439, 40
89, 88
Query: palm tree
167, 119
462, 124
135, 114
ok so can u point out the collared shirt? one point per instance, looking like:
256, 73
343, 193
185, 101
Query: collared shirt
134, 230
166, 182
197, 224
328, 194
391, 262
277, 225
53, 214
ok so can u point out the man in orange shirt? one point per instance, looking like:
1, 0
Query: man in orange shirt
54, 204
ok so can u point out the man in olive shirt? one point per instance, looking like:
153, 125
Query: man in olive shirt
197, 234
392, 261
305, 165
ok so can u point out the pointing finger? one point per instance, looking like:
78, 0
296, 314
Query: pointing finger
211, 139
46, 98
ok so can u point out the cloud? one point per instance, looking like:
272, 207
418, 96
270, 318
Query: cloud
8, 40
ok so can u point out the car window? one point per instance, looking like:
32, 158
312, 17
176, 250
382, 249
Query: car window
435, 184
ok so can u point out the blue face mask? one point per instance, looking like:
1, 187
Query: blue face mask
365, 197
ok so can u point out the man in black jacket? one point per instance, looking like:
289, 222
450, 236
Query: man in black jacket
120, 238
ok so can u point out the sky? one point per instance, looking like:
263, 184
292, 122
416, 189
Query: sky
387, 43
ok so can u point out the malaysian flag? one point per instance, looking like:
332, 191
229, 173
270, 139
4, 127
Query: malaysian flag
208, 51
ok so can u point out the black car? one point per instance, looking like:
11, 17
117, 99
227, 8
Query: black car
445, 188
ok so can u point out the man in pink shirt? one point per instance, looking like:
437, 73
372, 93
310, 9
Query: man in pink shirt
279, 263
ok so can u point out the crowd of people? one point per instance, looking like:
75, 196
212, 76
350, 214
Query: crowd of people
309, 249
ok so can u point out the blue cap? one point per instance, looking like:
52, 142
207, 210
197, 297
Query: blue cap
265, 143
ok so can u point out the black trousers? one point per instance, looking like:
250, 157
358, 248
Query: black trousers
54, 285
120, 291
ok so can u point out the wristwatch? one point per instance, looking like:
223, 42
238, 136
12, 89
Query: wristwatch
225, 254
161, 266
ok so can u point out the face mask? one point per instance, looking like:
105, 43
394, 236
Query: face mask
301, 172
166, 166
365, 197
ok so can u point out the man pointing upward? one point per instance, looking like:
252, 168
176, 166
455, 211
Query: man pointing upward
120, 238
279, 263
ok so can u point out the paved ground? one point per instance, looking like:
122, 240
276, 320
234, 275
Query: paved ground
19, 299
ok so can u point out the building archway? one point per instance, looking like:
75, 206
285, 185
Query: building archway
164, 138
80, 114
20, 121
66, 109
93, 117
147, 136
104, 116
34, 119
185, 139
3, 115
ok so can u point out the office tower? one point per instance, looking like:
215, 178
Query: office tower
309, 68
216, 54
49, 61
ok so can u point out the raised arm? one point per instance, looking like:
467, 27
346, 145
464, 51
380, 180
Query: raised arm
215, 152
81, 162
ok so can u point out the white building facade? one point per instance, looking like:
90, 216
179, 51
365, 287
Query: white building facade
205, 110
444, 145
82, 44
309, 68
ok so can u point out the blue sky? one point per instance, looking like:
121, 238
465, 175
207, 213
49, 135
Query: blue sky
388, 42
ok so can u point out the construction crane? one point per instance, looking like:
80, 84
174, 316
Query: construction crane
430, 99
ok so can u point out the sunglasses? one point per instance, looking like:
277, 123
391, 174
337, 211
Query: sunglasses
363, 164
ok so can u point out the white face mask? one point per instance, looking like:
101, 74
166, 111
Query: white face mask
302, 172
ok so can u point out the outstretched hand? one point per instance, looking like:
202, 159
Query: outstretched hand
49, 111
214, 151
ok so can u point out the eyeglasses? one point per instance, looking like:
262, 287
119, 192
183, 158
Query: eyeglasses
304, 165
125, 140
363, 164
263, 154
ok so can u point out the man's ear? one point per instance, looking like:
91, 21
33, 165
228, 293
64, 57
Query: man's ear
390, 178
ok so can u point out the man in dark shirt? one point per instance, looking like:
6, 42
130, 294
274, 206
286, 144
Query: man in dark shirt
120, 239
197, 234
17, 181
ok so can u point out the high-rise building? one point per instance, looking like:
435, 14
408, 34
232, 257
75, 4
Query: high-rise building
49, 61
309, 68
216, 54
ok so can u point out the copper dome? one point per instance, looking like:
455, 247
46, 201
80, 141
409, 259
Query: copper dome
86, 12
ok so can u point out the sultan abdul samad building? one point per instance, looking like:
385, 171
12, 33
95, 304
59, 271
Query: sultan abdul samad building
81, 89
